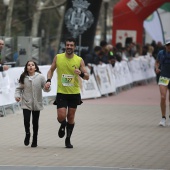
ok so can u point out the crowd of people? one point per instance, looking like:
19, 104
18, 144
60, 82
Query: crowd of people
107, 53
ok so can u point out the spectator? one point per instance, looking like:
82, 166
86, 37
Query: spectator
118, 57
89, 58
119, 46
101, 58
150, 51
1, 47
132, 49
103, 55
111, 56
153, 44
138, 50
4, 67
128, 51
103, 45
145, 50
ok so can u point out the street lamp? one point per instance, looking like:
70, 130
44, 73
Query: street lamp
106, 5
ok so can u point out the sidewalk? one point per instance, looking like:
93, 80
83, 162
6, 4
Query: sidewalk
115, 132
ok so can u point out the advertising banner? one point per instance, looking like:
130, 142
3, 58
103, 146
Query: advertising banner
89, 89
80, 22
154, 28
105, 79
122, 35
126, 12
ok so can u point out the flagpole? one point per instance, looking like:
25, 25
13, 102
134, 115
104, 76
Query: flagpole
161, 25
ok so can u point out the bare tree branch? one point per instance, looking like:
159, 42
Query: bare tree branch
52, 7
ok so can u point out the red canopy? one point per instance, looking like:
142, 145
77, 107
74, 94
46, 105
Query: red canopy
128, 17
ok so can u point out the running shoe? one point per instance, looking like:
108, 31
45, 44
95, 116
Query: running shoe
162, 122
61, 131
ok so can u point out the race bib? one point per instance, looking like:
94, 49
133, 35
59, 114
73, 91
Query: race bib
163, 81
67, 80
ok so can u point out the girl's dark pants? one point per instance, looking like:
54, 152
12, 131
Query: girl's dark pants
35, 121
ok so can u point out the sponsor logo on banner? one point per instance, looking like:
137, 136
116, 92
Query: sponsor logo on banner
89, 85
121, 36
78, 19
132, 4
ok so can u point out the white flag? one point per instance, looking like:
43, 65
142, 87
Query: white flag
153, 27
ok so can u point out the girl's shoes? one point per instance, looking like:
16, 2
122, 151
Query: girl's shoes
34, 142
27, 139
33, 145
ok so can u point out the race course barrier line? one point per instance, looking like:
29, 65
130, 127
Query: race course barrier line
105, 79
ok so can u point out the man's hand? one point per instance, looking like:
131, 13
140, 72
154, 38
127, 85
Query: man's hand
157, 70
77, 71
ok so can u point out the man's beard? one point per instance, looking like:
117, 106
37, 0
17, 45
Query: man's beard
69, 51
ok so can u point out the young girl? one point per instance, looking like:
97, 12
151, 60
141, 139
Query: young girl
29, 92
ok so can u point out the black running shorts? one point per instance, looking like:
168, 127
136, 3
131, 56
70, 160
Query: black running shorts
67, 100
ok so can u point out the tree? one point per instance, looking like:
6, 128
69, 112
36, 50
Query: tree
9, 19
37, 14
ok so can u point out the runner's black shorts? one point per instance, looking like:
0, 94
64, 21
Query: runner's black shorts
67, 100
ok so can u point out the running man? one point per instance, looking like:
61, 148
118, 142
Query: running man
69, 68
163, 60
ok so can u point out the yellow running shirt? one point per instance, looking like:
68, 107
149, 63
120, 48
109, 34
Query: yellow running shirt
67, 80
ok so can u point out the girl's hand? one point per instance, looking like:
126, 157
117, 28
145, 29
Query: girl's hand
47, 85
17, 99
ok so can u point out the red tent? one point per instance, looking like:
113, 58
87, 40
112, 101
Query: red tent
128, 17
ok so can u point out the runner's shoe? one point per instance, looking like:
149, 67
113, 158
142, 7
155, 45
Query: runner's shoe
162, 122
61, 131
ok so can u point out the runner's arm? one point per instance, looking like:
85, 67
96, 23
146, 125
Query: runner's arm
83, 70
157, 64
52, 68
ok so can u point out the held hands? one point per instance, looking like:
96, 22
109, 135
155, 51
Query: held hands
47, 85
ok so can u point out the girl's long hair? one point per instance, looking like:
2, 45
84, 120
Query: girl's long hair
25, 73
